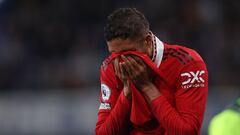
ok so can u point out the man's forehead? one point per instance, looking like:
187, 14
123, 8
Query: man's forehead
119, 41
120, 45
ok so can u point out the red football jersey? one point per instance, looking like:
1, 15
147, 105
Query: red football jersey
178, 110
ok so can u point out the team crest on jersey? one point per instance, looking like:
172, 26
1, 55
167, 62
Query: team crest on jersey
106, 92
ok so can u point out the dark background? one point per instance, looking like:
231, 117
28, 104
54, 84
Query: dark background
51, 51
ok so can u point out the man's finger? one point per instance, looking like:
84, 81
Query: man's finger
139, 61
128, 65
116, 66
128, 70
133, 62
123, 72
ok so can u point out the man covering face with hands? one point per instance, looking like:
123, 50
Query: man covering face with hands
133, 69
148, 86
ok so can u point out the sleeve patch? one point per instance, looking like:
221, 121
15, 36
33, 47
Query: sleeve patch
193, 79
104, 106
106, 92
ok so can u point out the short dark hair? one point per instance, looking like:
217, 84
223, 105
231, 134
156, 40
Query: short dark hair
125, 23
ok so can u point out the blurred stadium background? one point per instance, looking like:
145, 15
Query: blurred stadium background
51, 51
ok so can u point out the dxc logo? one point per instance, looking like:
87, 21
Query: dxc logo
193, 77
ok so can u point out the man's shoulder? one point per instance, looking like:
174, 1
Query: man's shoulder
182, 54
182, 64
106, 62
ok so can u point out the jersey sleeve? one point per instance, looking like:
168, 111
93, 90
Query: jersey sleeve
186, 116
114, 110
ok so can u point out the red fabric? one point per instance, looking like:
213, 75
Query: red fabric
140, 112
178, 111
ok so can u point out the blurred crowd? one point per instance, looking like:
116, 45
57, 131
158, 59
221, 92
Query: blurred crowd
59, 43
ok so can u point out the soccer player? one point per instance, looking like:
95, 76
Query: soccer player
148, 86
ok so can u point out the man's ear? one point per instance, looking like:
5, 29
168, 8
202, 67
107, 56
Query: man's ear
148, 41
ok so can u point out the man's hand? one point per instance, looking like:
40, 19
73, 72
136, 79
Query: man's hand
123, 76
137, 71
140, 74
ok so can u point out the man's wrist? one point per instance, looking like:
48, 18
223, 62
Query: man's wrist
127, 93
150, 92
147, 87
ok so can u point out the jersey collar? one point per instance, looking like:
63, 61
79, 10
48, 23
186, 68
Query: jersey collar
157, 51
